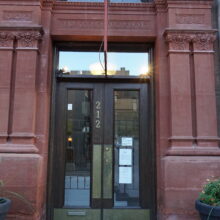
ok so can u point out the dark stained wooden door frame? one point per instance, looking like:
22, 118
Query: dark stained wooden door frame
53, 192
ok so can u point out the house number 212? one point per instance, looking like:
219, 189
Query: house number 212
97, 116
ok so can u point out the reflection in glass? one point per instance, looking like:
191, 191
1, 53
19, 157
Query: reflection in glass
91, 63
81, 0
116, 1
129, 1
126, 148
129, 64
78, 148
80, 63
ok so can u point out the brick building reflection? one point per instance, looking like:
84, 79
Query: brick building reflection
121, 72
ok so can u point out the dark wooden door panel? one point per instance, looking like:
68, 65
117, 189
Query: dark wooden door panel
111, 106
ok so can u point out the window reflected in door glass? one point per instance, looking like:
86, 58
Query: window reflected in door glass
126, 149
92, 63
78, 149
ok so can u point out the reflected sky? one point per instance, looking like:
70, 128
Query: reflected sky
135, 63
116, 1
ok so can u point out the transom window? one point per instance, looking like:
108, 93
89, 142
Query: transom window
130, 61
113, 1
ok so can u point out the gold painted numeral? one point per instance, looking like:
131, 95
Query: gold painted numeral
97, 124
97, 114
97, 119
98, 105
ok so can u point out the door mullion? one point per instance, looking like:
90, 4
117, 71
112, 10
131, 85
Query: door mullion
108, 148
97, 130
107, 175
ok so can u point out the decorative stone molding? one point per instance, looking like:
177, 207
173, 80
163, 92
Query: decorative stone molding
190, 18
28, 39
128, 25
178, 41
160, 5
6, 39
48, 3
16, 16
98, 24
203, 41
98, 6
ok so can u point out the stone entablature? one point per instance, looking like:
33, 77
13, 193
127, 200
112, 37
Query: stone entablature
68, 19
144, 24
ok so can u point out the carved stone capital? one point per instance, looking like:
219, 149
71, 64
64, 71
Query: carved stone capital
178, 41
203, 41
161, 5
28, 39
6, 39
47, 3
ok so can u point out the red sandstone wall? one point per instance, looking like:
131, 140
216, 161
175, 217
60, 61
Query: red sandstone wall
187, 144
24, 105
187, 138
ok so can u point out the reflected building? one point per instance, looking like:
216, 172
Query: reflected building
121, 72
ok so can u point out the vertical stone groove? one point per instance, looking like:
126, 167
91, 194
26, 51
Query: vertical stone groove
12, 92
193, 94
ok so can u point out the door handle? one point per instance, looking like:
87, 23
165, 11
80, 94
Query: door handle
76, 213
96, 168
107, 171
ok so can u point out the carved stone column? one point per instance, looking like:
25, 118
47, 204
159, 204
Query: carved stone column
206, 118
6, 56
180, 89
26, 67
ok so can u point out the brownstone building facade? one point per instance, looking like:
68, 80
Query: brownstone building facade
178, 134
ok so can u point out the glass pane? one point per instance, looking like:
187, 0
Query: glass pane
128, 64
81, 0
91, 63
130, 1
80, 63
78, 148
116, 1
126, 148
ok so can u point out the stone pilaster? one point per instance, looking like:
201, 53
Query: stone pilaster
206, 118
192, 91
26, 67
6, 57
180, 89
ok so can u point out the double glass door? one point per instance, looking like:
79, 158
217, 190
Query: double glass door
103, 158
